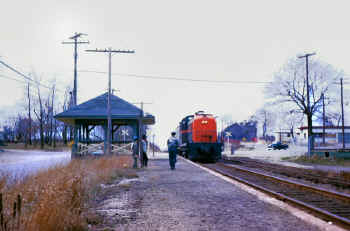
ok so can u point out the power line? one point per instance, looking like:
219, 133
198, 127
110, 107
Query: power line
14, 70
176, 78
18, 80
23, 75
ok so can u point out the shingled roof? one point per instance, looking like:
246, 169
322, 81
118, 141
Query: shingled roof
96, 109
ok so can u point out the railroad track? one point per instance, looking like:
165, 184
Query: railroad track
326, 204
339, 180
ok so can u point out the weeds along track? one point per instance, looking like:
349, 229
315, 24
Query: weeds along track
326, 204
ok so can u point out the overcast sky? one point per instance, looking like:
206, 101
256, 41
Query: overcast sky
211, 40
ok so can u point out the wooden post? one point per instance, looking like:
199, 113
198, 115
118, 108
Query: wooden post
105, 149
140, 135
75, 143
153, 144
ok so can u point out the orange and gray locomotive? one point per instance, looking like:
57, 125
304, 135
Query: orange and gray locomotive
198, 138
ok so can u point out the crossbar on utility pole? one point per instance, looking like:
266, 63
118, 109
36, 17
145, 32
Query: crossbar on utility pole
75, 37
109, 116
309, 116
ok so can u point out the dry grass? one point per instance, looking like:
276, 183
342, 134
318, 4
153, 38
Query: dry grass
315, 159
330, 161
55, 199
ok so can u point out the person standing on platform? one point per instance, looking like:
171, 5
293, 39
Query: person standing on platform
135, 151
144, 151
173, 145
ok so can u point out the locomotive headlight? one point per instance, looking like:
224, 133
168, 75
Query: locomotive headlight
204, 121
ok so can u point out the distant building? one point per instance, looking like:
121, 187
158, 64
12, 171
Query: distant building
237, 132
333, 134
284, 136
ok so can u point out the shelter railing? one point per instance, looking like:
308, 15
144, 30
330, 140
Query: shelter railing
98, 148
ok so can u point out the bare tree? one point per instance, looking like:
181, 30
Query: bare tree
287, 118
40, 115
29, 108
266, 118
289, 85
20, 127
51, 113
67, 101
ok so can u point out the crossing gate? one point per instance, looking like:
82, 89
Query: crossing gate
93, 149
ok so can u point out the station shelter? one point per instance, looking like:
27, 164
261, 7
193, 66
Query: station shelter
328, 140
328, 136
88, 115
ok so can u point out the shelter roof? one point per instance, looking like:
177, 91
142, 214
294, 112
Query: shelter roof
96, 109
326, 127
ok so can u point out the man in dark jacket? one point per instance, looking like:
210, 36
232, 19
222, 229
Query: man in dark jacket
173, 145
144, 151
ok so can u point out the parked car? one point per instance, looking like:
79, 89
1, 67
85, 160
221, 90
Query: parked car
278, 146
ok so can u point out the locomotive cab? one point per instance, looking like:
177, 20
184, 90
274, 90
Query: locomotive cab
204, 127
198, 137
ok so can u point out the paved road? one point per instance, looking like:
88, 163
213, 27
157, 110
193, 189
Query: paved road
20, 163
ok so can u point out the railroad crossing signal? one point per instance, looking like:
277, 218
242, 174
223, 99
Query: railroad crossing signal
125, 132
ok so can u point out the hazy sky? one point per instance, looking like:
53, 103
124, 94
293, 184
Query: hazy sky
212, 40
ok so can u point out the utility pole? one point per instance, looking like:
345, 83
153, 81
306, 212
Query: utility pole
76, 42
140, 125
29, 117
140, 136
342, 112
324, 120
153, 144
309, 112
75, 86
265, 125
109, 115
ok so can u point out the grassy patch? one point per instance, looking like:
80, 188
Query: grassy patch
56, 199
21, 146
288, 158
331, 161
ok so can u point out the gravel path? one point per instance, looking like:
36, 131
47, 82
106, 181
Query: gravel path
190, 198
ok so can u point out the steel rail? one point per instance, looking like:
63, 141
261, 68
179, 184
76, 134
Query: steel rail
332, 193
275, 168
342, 221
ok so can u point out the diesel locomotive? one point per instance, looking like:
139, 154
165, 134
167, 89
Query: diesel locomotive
197, 135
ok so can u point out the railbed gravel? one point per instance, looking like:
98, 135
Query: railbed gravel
187, 198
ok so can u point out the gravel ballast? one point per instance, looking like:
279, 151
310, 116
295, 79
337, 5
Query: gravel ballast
189, 198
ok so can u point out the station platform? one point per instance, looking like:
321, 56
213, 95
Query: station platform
192, 198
